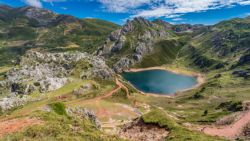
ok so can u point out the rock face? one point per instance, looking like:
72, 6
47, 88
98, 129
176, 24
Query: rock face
11, 102
50, 71
245, 59
136, 37
85, 114
44, 18
241, 73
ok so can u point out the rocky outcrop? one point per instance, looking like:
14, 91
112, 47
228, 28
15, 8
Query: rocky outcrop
50, 71
140, 131
84, 114
123, 63
241, 73
44, 18
12, 102
136, 37
245, 59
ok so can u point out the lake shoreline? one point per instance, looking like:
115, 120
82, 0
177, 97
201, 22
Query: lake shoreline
199, 77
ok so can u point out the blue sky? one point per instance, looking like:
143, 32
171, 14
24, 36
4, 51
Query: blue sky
118, 11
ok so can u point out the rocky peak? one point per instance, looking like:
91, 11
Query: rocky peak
182, 28
139, 31
64, 19
164, 23
142, 21
35, 12
248, 18
4, 8
42, 16
45, 17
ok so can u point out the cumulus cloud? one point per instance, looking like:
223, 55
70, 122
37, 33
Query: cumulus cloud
166, 8
38, 3
122, 5
35, 3
155, 8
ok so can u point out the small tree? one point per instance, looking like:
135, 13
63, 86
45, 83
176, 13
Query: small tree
205, 113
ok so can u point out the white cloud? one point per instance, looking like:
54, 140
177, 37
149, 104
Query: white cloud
122, 5
245, 2
166, 8
155, 8
177, 19
35, 3
38, 3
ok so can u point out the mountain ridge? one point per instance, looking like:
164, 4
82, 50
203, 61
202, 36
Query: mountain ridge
62, 76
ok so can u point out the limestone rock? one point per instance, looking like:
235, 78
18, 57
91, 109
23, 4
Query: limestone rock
123, 63
50, 71
85, 114
12, 102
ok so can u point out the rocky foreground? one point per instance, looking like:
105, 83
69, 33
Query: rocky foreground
46, 72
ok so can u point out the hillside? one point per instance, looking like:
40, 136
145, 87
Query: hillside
224, 45
27, 28
61, 78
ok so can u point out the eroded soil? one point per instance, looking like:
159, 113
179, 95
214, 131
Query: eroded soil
139, 131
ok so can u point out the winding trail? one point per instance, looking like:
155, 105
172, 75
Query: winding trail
118, 87
14, 125
229, 131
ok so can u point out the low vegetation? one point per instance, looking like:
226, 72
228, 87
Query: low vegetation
177, 132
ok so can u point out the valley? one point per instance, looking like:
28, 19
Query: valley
61, 78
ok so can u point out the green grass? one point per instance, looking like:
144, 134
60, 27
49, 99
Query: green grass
58, 108
165, 52
60, 128
120, 97
177, 132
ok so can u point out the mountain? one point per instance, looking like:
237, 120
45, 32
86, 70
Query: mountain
61, 78
137, 40
28, 27
144, 43
224, 45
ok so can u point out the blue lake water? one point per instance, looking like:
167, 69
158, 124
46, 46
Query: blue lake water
159, 81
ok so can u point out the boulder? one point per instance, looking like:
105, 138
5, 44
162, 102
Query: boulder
241, 73
85, 114
12, 102
123, 63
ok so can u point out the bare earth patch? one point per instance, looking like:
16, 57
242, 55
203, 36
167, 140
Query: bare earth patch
139, 131
14, 125
230, 131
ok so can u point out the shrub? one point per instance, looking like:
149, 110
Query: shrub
231, 106
205, 113
58, 108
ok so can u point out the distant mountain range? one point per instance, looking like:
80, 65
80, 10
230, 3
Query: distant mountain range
28, 27
51, 63
225, 44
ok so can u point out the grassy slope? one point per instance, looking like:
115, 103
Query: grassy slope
224, 44
58, 125
165, 52
177, 132
61, 128
18, 35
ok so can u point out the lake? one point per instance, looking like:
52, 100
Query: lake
160, 81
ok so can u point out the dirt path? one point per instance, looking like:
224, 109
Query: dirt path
229, 131
118, 87
14, 125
